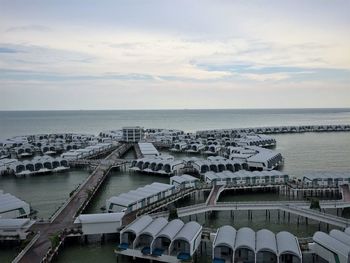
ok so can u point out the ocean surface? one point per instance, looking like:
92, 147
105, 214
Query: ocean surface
32, 122
303, 153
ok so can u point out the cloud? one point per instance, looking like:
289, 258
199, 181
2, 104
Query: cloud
37, 28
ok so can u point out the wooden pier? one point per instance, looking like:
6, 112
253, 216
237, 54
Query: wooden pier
63, 220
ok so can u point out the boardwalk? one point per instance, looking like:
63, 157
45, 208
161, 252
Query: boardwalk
300, 208
65, 217
214, 194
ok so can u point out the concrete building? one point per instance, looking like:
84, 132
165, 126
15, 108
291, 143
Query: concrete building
132, 134
104, 223
15, 229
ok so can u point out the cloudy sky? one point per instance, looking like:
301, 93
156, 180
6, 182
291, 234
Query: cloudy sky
156, 54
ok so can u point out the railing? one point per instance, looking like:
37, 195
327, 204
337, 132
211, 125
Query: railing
25, 250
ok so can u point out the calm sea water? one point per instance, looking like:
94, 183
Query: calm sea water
31, 122
303, 153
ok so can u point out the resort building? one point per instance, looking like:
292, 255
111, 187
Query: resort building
184, 181
139, 198
257, 158
87, 152
245, 245
132, 134
218, 165
39, 165
104, 223
15, 229
246, 178
159, 237
333, 247
326, 179
12, 207
148, 150
163, 164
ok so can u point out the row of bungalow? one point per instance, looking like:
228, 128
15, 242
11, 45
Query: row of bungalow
246, 178
139, 198
87, 152
326, 179
164, 165
213, 146
246, 245
257, 158
274, 129
218, 164
158, 237
38, 165
333, 247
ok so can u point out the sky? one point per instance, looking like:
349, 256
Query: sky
160, 54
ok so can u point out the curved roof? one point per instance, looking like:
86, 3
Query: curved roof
171, 229
189, 231
245, 238
287, 243
138, 225
266, 241
225, 236
331, 243
155, 227
341, 236
347, 230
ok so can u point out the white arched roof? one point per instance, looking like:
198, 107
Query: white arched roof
341, 236
245, 238
155, 227
225, 236
138, 225
266, 241
331, 243
287, 243
171, 229
347, 230
188, 231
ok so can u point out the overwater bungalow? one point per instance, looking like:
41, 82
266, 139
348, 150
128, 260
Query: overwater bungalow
139, 198
245, 245
161, 243
184, 181
12, 207
186, 241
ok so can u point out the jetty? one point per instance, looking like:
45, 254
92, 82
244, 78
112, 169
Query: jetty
40, 250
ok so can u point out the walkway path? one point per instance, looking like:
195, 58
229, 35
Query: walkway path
345, 192
65, 217
300, 208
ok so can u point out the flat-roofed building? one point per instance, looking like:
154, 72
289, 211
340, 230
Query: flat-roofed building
12, 207
132, 134
104, 223
15, 229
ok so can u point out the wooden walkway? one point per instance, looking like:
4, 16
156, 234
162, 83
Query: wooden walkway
64, 218
300, 208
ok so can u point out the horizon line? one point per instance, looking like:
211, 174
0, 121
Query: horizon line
178, 109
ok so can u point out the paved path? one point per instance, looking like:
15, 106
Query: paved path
345, 193
65, 217
300, 208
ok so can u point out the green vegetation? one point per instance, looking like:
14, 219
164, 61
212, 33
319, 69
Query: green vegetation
173, 214
55, 240
315, 204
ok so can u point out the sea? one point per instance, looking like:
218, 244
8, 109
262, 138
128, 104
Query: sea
303, 153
